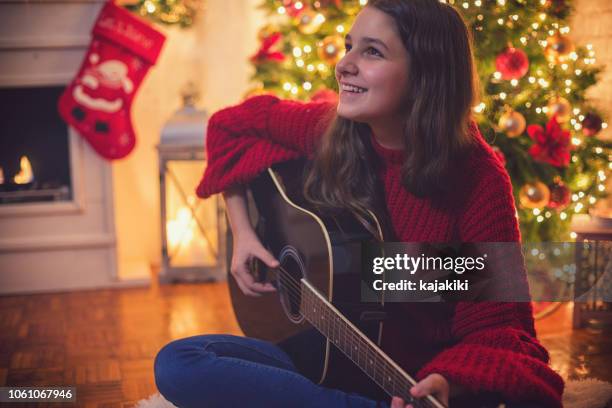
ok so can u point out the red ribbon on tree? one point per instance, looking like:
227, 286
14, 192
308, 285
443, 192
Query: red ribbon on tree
552, 145
265, 54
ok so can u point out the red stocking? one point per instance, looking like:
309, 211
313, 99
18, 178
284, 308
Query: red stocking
97, 103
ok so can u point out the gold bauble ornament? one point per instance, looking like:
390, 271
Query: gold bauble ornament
534, 195
583, 181
309, 22
512, 123
558, 48
561, 107
331, 49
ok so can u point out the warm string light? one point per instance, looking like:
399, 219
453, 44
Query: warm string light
175, 12
480, 107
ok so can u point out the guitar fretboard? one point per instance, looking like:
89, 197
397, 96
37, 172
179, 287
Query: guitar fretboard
358, 347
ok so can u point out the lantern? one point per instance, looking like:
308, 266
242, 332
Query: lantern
593, 270
193, 230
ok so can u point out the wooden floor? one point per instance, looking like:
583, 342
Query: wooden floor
104, 342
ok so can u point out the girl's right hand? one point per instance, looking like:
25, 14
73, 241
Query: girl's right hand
247, 246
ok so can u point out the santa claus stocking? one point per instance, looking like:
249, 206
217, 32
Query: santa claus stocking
97, 103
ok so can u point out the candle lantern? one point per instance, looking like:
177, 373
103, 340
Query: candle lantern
593, 272
193, 230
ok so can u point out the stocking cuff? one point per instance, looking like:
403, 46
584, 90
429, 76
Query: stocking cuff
127, 30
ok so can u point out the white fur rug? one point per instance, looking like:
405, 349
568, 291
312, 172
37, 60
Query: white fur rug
589, 393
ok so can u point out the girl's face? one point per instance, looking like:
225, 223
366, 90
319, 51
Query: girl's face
375, 62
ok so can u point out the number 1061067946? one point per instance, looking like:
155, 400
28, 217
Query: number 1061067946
37, 394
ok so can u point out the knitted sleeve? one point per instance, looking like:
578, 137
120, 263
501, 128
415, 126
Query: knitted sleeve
245, 139
496, 353
495, 347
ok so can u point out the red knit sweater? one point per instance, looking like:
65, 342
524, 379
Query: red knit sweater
483, 347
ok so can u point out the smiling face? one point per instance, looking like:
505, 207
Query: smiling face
373, 74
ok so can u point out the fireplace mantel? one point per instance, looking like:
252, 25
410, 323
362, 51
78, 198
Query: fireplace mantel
42, 42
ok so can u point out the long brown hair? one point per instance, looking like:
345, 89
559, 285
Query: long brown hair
442, 88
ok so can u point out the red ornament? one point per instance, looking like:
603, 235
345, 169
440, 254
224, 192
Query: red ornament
500, 155
512, 63
591, 124
558, 8
265, 53
291, 9
559, 196
551, 145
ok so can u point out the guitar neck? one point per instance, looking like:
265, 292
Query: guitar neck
358, 347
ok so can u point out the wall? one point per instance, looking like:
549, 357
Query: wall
592, 24
214, 52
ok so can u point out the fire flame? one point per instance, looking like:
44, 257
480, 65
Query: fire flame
1, 176
25, 174
181, 228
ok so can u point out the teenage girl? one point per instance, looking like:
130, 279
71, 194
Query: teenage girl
401, 131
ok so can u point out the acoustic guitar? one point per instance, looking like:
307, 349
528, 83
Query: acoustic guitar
318, 286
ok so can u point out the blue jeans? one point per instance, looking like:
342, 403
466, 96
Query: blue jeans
210, 371
220, 370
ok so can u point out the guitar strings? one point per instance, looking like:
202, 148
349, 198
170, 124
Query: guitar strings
294, 291
388, 371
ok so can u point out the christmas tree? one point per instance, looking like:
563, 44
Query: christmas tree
533, 108
167, 12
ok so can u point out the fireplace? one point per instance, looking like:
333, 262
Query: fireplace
56, 199
34, 147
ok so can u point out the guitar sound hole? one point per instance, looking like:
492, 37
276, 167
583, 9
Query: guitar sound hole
289, 283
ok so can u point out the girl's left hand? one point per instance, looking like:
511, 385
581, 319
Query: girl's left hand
434, 384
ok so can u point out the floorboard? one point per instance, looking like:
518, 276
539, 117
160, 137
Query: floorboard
104, 342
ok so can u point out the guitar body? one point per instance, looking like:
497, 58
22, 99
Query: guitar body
324, 251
